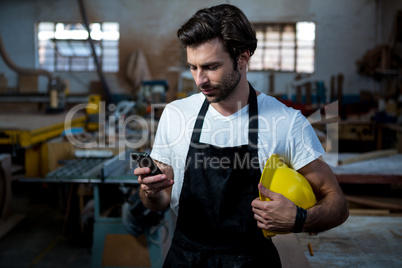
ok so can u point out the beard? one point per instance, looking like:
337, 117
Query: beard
225, 89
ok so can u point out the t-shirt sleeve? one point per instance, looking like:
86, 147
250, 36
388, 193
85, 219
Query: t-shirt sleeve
160, 148
303, 145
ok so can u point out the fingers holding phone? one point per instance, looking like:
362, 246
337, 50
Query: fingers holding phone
144, 160
151, 178
153, 185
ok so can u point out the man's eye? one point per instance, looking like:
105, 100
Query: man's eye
193, 68
213, 68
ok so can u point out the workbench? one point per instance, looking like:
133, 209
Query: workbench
112, 245
30, 131
382, 170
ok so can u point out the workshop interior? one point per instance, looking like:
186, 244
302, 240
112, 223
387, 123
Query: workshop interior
83, 85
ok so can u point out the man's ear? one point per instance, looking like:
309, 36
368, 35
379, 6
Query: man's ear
243, 59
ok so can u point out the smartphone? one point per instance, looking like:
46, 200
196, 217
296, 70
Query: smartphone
144, 160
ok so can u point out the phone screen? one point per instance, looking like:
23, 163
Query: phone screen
144, 160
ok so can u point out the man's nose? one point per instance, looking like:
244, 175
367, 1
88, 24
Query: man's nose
200, 78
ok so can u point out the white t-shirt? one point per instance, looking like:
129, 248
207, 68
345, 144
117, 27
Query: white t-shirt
282, 131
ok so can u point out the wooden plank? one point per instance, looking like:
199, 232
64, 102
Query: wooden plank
372, 202
271, 84
369, 212
340, 79
299, 94
369, 179
366, 156
308, 92
332, 90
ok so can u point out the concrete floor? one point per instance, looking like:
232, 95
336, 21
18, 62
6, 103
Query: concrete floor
37, 241
362, 241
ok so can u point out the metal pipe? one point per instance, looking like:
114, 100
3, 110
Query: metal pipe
109, 97
21, 70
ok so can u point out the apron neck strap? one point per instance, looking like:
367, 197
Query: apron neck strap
252, 125
253, 119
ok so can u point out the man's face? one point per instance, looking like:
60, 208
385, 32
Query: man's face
213, 71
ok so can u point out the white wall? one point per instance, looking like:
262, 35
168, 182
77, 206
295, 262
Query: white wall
345, 31
147, 25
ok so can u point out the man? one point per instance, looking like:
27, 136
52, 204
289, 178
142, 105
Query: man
211, 147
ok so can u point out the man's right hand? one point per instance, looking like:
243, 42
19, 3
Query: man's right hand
152, 185
155, 191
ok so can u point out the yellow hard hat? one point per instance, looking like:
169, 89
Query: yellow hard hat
279, 178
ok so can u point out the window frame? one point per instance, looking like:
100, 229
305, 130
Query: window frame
262, 27
88, 60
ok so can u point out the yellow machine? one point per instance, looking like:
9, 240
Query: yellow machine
279, 178
32, 131
92, 112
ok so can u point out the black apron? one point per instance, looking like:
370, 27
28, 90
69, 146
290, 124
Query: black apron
215, 225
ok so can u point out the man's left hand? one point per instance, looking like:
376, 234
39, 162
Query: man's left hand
277, 215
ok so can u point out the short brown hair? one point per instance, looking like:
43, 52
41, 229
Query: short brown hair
226, 22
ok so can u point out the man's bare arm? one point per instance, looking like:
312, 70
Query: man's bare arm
331, 209
155, 191
279, 214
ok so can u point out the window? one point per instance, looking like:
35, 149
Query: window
65, 46
284, 47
